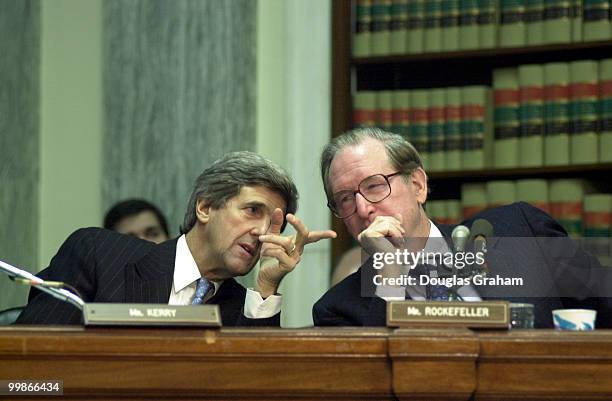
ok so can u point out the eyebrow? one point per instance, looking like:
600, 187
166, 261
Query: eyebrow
257, 204
344, 191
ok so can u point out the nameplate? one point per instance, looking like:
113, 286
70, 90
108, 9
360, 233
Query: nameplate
474, 315
107, 314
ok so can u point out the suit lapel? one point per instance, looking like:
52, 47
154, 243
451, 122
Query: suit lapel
150, 279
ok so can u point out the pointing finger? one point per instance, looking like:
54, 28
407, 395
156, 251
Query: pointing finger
276, 222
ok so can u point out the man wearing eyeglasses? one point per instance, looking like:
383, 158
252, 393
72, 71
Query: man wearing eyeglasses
375, 182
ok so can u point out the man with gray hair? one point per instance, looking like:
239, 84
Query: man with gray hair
375, 182
237, 210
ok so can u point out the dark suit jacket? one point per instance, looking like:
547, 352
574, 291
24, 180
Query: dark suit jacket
557, 274
108, 267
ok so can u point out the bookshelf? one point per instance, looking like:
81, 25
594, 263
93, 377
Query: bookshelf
438, 70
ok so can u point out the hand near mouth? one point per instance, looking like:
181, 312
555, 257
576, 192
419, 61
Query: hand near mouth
280, 254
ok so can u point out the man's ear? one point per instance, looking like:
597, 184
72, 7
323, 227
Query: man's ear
419, 183
202, 211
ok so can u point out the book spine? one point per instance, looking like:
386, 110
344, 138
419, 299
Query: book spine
531, 115
512, 30
419, 122
449, 24
364, 109
433, 31
399, 27
506, 120
468, 25
454, 214
500, 193
597, 218
576, 16
534, 192
596, 20
384, 110
605, 110
556, 114
452, 129
381, 21
534, 20
473, 199
583, 111
435, 129
400, 114
557, 23
416, 25
363, 28
474, 126
488, 16
436, 211
566, 204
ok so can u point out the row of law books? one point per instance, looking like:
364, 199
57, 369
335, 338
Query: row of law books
536, 115
388, 27
450, 127
553, 114
574, 203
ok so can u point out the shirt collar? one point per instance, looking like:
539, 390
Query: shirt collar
186, 270
437, 244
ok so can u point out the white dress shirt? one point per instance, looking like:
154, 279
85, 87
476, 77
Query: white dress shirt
418, 292
186, 275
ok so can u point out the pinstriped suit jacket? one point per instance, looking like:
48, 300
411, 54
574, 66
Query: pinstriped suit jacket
105, 266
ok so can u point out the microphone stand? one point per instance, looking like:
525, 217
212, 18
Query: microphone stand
59, 293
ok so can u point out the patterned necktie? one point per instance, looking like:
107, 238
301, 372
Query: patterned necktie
202, 288
437, 292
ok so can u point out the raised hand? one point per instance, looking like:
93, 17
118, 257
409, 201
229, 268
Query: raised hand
280, 254
385, 234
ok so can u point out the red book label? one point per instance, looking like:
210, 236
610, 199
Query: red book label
532, 93
418, 115
436, 114
452, 113
364, 117
584, 90
506, 96
605, 89
472, 111
598, 219
566, 210
556, 92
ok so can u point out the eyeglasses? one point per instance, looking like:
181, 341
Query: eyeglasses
374, 189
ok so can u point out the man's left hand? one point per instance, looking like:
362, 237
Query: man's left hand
280, 254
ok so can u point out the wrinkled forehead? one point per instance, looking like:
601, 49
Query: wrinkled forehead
261, 196
355, 163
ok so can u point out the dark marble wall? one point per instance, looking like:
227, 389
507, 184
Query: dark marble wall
179, 92
19, 140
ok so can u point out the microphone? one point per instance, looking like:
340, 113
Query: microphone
481, 230
460, 237
50, 287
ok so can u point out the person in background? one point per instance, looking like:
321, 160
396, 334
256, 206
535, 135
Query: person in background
139, 218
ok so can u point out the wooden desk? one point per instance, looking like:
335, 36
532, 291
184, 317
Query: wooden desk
350, 363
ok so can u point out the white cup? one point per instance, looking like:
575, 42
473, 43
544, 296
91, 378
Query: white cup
574, 319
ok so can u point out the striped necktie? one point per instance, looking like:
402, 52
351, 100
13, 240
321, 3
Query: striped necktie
202, 288
436, 292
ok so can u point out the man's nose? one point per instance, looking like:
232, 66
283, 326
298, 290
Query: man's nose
364, 207
261, 226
